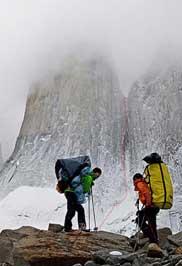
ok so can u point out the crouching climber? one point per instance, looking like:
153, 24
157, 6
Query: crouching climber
75, 180
75, 195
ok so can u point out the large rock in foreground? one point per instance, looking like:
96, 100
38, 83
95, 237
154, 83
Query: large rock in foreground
30, 246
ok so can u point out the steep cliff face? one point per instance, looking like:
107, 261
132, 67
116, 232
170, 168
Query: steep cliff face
155, 113
82, 111
79, 111
155, 125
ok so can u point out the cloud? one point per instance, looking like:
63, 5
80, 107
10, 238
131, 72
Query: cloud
34, 35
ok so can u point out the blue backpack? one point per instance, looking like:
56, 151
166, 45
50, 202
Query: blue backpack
67, 169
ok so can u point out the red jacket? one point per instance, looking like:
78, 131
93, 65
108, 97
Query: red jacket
143, 191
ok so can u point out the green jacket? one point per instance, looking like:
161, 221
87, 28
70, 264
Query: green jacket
87, 181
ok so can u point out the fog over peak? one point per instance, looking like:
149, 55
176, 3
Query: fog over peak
36, 35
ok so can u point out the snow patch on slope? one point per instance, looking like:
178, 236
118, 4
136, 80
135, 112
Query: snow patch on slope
35, 206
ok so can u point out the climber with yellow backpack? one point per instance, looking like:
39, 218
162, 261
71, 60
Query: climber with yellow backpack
155, 191
159, 180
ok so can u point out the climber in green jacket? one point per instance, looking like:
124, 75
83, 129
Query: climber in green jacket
76, 193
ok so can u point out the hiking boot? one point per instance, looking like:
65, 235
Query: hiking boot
154, 251
67, 230
82, 227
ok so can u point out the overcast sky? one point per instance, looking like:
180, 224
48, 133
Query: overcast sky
34, 34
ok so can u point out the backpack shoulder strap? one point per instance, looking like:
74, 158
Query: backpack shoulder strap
147, 179
163, 182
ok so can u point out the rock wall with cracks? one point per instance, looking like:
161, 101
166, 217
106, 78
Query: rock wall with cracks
155, 125
78, 111
81, 110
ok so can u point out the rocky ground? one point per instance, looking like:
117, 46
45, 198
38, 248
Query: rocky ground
28, 246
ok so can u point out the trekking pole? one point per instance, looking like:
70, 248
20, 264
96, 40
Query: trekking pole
138, 226
95, 228
89, 211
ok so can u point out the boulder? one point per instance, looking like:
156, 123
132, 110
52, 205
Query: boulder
6, 251
19, 233
30, 246
55, 228
179, 263
176, 239
174, 259
154, 251
178, 250
164, 243
90, 263
102, 257
163, 234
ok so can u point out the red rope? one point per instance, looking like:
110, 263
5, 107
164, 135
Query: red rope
123, 163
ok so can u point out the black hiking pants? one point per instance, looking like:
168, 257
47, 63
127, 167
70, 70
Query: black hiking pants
146, 219
72, 207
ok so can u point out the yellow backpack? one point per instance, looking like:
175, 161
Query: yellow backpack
160, 183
